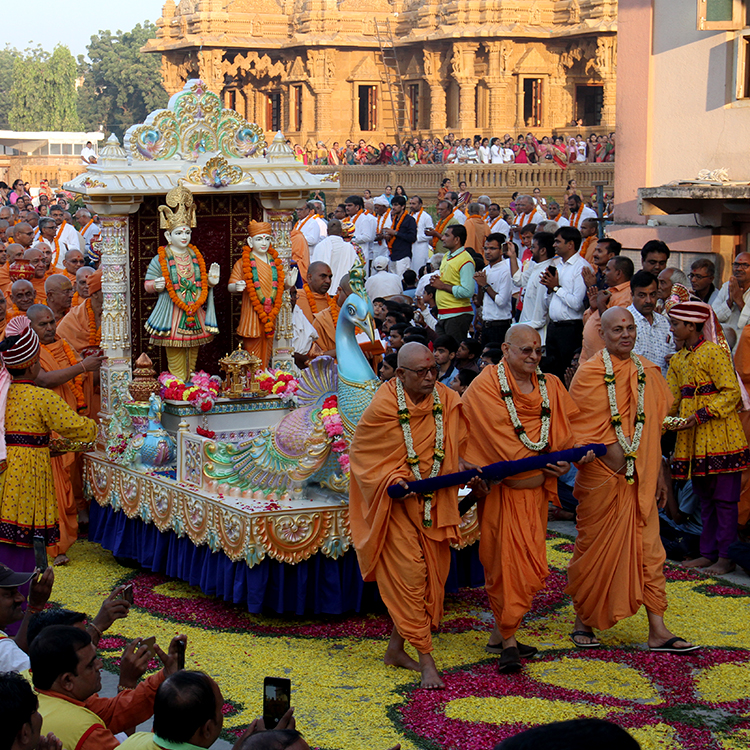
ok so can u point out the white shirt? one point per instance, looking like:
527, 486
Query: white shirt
364, 232
567, 301
86, 154
508, 155
422, 244
496, 155
311, 229
383, 284
523, 219
338, 254
654, 340
12, 658
587, 213
581, 151
459, 216
323, 226
498, 277
536, 301
729, 315
304, 332
499, 225
484, 154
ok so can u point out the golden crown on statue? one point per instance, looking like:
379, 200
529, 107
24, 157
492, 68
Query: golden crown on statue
181, 199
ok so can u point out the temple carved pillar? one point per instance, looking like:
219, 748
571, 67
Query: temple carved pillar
462, 64
210, 69
323, 109
438, 114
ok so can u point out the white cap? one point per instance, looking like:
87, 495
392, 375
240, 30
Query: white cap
380, 201
380, 263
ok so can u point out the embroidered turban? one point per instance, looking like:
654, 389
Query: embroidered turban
21, 346
258, 227
690, 312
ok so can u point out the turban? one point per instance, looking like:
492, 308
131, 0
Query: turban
94, 281
258, 227
380, 201
21, 346
690, 312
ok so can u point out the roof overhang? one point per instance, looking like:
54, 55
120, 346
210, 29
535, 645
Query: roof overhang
717, 203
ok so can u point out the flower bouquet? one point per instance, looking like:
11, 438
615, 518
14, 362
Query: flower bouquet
201, 392
278, 383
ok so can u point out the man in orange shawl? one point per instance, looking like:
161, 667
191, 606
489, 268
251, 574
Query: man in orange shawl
742, 365
13, 252
259, 276
34, 257
313, 297
476, 227
300, 252
72, 379
404, 544
618, 273
82, 325
618, 560
3, 314
513, 517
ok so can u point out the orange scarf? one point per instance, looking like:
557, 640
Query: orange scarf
494, 221
396, 228
575, 218
440, 228
76, 384
95, 334
381, 221
267, 317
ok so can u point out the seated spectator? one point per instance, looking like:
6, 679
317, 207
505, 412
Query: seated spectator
387, 367
382, 283
66, 672
20, 720
491, 355
391, 319
467, 354
409, 283
396, 336
577, 734
187, 714
444, 349
13, 657
463, 380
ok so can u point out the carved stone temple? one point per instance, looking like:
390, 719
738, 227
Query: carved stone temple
314, 68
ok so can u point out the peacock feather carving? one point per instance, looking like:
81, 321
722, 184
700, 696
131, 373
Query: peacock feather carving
296, 452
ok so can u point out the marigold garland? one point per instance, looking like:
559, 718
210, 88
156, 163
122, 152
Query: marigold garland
190, 309
396, 228
76, 384
266, 309
278, 383
95, 334
332, 303
440, 228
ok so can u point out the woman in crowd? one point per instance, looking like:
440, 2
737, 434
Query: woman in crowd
558, 152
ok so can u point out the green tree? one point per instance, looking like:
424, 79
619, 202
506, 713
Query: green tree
121, 84
43, 93
7, 59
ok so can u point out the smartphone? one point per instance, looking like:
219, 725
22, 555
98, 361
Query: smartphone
277, 697
149, 644
40, 554
180, 648
127, 594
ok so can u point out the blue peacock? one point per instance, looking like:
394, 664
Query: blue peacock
296, 451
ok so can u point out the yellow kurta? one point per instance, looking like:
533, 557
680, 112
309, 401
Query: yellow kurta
28, 506
703, 382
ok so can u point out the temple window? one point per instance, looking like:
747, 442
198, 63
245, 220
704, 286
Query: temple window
532, 102
273, 111
368, 107
589, 104
412, 95
297, 108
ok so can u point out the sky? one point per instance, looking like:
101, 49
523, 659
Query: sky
50, 22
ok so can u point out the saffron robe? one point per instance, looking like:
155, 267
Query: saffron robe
618, 560
409, 561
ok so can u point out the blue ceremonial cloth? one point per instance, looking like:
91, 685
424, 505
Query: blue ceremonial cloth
495, 472
319, 585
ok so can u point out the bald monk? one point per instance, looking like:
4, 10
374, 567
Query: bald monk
81, 285
72, 262
13, 252
300, 252
618, 560
325, 323
22, 297
313, 298
408, 559
23, 234
82, 326
3, 314
513, 517
34, 256
72, 379
59, 291
46, 252
618, 272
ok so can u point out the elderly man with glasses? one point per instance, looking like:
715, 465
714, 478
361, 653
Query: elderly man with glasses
413, 428
731, 305
702, 275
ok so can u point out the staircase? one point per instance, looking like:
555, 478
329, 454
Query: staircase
393, 83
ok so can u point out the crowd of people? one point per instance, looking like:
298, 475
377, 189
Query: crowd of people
561, 150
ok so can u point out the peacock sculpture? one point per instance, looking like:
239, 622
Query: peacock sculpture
298, 450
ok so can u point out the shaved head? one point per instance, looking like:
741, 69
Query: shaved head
614, 314
14, 251
412, 353
520, 332
319, 276
619, 331
22, 293
522, 351
57, 283
81, 286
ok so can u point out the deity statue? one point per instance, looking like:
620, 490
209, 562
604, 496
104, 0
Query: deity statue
259, 276
179, 321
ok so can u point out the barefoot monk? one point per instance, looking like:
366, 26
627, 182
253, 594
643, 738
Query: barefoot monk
414, 427
618, 560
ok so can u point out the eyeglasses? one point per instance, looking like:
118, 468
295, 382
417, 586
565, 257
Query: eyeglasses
740, 265
421, 372
698, 276
527, 351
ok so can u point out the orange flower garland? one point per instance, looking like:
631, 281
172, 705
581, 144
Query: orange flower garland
332, 303
95, 334
192, 308
76, 384
396, 228
267, 317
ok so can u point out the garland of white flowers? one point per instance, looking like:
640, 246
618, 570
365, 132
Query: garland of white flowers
630, 448
404, 418
546, 412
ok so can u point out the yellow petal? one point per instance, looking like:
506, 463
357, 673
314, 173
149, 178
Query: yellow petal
514, 710
724, 682
655, 737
